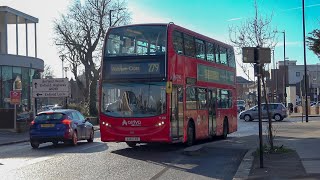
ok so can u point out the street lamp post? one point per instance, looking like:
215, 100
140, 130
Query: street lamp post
66, 71
305, 62
62, 57
285, 68
110, 13
110, 17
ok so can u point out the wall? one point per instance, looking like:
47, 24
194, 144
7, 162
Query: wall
3, 42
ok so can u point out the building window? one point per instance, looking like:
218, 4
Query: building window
298, 74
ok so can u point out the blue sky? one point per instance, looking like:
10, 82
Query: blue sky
208, 17
214, 17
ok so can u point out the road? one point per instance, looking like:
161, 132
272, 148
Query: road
100, 160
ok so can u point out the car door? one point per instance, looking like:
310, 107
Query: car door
264, 112
87, 126
80, 125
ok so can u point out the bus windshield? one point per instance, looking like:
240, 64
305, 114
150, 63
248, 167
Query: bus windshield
141, 99
136, 40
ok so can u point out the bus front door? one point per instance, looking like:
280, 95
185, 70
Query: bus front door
212, 98
177, 112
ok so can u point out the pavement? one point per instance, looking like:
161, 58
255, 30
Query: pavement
302, 137
9, 137
300, 115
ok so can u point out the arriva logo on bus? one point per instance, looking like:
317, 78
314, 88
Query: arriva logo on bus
131, 123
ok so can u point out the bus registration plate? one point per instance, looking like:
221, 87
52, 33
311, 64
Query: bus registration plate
132, 138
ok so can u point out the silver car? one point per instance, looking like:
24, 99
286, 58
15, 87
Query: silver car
277, 110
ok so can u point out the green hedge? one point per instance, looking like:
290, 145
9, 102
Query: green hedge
83, 108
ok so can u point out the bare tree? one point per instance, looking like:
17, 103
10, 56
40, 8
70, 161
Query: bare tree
79, 36
254, 32
47, 72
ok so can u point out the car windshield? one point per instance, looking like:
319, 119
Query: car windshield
49, 117
143, 99
136, 40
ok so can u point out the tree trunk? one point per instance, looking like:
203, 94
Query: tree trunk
93, 97
270, 135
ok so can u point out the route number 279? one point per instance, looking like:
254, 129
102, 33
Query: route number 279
153, 67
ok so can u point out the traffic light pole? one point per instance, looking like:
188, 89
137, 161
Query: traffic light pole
259, 114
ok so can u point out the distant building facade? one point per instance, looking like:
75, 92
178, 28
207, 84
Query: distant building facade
246, 90
292, 75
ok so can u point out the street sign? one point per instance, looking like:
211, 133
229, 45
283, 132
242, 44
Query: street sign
248, 55
256, 55
15, 97
50, 88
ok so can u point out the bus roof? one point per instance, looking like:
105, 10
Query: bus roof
190, 32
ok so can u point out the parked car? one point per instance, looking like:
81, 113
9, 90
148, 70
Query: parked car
66, 125
315, 104
278, 112
241, 105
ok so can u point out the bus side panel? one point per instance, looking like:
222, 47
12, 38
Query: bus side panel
232, 120
203, 127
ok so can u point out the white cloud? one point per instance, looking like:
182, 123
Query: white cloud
290, 43
296, 8
235, 19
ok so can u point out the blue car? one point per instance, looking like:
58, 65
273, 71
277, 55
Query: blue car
66, 125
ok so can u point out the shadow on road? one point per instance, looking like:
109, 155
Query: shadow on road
215, 162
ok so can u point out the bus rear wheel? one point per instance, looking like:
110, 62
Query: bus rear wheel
190, 135
132, 144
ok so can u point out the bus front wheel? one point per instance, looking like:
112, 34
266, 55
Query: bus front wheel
225, 129
190, 135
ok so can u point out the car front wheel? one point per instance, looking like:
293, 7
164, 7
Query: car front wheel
91, 136
278, 117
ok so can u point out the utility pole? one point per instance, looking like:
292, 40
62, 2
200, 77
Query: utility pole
305, 62
285, 68
258, 56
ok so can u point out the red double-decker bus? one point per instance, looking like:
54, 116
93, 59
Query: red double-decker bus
165, 83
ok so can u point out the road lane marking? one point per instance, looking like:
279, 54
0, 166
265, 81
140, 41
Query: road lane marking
82, 149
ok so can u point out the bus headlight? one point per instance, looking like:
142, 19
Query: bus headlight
107, 124
160, 124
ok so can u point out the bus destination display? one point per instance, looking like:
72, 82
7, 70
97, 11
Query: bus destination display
131, 70
135, 68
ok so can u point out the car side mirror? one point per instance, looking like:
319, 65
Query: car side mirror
87, 120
